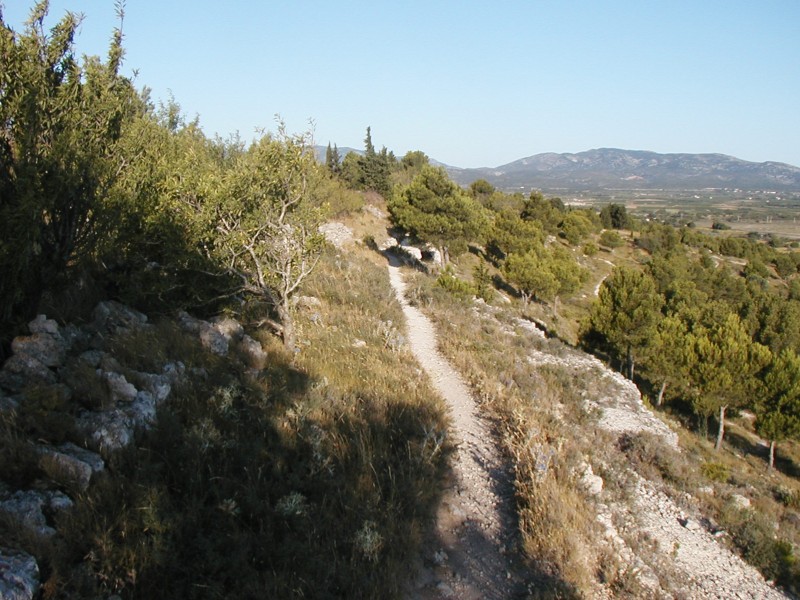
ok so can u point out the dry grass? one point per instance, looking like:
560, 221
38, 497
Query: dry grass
315, 477
530, 407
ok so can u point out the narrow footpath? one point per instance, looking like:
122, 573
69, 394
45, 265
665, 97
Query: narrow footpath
471, 552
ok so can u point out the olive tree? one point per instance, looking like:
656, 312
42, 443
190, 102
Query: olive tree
266, 221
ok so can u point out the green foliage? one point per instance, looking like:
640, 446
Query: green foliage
482, 280
575, 226
615, 216
436, 210
778, 409
60, 122
626, 312
511, 234
785, 265
611, 239
590, 249
265, 221
371, 170
544, 275
657, 238
715, 471
332, 160
727, 362
481, 188
529, 273
549, 213
754, 536
448, 280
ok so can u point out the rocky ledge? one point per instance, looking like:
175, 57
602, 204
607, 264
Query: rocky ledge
55, 361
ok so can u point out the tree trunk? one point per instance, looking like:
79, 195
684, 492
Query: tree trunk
630, 362
771, 455
660, 398
287, 323
721, 431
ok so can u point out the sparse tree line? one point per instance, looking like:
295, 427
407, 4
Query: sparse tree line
704, 334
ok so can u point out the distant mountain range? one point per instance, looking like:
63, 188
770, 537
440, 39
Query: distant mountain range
614, 169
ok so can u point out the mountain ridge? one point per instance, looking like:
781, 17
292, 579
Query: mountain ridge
614, 168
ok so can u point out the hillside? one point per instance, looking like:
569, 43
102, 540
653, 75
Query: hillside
610, 168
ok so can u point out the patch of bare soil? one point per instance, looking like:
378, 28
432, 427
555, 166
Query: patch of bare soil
472, 552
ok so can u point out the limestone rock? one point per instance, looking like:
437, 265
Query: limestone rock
105, 431
337, 234
740, 502
386, 244
28, 508
112, 317
41, 324
22, 369
70, 465
411, 250
210, 337
19, 575
592, 484
253, 352
230, 328
48, 350
119, 387
159, 386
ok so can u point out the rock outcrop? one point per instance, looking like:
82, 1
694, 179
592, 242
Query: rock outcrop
57, 361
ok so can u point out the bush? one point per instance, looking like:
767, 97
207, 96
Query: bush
715, 471
447, 280
611, 239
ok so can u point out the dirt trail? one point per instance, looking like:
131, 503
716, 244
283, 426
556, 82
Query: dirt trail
471, 552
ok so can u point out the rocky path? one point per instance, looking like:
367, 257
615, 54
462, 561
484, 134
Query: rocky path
470, 554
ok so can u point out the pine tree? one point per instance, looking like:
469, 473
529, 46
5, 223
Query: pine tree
778, 412
626, 312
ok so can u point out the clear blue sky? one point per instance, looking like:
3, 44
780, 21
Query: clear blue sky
473, 83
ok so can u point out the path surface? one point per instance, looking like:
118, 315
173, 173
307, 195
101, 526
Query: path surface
470, 555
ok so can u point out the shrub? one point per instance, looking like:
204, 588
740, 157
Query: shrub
716, 472
447, 280
611, 239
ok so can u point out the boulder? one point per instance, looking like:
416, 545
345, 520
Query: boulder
105, 431
211, 339
253, 352
337, 234
19, 575
740, 502
28, 509
70, 465
112, 317
41, 324
386, 244
21, 370
47, 349
159, 386
411, 250
592, 484
230, 328
119, 387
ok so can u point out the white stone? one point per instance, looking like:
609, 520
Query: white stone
19, 575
